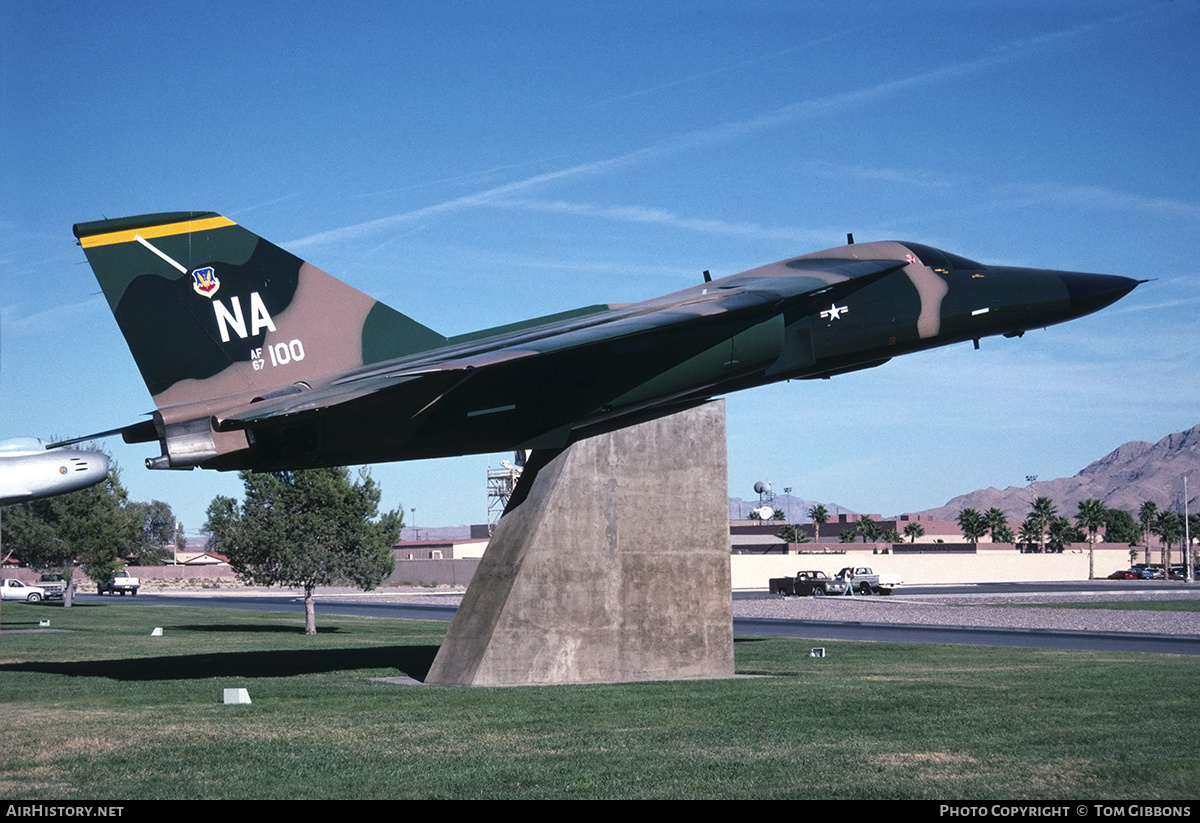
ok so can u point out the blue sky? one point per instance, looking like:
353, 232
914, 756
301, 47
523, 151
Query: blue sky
477, 163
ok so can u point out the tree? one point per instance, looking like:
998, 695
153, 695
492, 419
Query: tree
869, 529
972, 524
819, 516
914, 530
306, 528
1193, 524
778, 514
1169, 527
1091, 516
1120, 527
793, 534
1061, 533
1003, 534
1041, 515
1146, 515
1030, 534
157, 523
995, 520
891, 536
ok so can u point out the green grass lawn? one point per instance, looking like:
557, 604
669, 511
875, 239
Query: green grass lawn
104, 711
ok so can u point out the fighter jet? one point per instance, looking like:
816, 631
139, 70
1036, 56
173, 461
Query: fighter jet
30, 471
259, 360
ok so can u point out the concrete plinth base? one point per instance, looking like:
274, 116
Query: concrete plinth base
614, 567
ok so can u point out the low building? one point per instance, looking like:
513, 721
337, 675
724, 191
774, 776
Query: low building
439, 549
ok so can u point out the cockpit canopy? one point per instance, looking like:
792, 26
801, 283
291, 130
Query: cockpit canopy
21, 445
938, 259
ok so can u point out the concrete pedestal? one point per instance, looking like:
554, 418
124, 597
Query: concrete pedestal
613, 567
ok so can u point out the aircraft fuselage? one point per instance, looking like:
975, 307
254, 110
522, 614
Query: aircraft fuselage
259, 360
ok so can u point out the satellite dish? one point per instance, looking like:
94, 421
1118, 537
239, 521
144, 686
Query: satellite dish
761, 488
765, 512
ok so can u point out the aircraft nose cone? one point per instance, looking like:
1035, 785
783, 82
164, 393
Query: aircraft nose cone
1092, 292
98, 466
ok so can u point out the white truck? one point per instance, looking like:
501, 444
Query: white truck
864, 580
122, 583
12, 589
54, 585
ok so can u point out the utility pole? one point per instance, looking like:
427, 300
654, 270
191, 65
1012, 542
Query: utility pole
1189, 567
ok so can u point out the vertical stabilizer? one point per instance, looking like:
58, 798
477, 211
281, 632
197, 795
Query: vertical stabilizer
216, 317
210, 309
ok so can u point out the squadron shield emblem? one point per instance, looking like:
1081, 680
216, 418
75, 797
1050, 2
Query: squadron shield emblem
205, 282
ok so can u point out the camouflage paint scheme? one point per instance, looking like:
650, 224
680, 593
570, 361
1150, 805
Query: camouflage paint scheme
257, 359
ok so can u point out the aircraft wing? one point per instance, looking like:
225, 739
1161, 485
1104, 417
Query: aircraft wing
746, 293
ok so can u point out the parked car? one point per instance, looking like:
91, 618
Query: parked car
11, 589
1125, 574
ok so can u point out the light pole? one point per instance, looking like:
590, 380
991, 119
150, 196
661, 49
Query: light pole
1189, 566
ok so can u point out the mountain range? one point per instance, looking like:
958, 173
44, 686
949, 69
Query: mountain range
1123, 479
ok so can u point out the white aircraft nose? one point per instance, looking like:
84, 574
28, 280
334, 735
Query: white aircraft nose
44, 473
82, 469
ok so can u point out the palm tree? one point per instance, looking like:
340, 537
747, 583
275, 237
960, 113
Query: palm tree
869, 529
1091, 516
1169, 526
1031, 532
972, 524
995, 520
1063, 532
793, 534
914, 530
1193, 529
1146, 515
1003, 534
1042, 513
819, 515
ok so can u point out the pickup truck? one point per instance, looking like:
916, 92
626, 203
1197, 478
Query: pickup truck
54, 585
806, 583
11, 589
122, 583
864, 580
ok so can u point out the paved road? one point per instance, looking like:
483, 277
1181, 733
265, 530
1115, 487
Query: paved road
443, 606
1056, 590
969, 636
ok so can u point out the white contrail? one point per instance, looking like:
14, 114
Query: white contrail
815, 107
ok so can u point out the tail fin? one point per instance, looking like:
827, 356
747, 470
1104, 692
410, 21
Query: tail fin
211, 310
